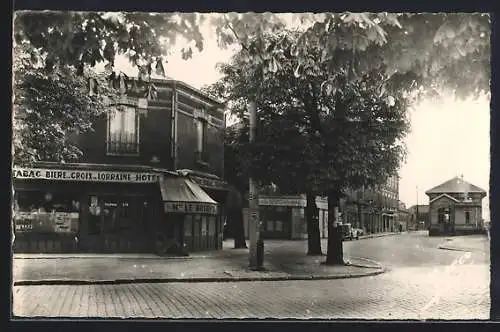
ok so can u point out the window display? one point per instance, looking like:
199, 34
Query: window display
45, 212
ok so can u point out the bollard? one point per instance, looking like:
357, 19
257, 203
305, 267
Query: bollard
260, 254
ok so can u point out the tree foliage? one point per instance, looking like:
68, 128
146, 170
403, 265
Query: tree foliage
433, 51
52, 106
54, 56
79, 38
319, 128
446, 52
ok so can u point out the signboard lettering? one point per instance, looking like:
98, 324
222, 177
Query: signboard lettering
46, 222
190, 207
83, 175
212, 183
282, 201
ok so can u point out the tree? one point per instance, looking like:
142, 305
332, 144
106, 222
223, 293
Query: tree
442, 50
326, 132
54, 55
233, 148
445, 51
78, 38
51, 107
433, 47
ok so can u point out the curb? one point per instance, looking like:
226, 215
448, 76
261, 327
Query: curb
109, 256
453, 249
378, 235
193, 280
371, 236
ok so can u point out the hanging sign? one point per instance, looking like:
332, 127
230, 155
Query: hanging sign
84, 175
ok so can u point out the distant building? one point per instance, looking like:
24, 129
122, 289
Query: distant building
455, 208
283, 217
374, 209
403, 216
418, 218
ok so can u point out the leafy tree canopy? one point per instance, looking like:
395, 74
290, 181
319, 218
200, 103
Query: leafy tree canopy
317, 130
434, 51
447, 51
52, 106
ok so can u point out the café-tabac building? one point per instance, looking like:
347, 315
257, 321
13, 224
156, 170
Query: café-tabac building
151, 167
97, 208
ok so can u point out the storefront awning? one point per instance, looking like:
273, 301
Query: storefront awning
181, 195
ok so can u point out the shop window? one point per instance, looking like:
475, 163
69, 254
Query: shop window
46, 212
123, 131
204, 226
188, 225
467, 217
278, 227
109, 214
211, 226
197, 225
270, 225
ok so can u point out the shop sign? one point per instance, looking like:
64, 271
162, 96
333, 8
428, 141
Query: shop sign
85, 175
182, 207
65, 222
211, 183
43, 222
282, 201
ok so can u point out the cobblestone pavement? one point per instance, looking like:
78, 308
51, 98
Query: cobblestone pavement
424, 283
389, 296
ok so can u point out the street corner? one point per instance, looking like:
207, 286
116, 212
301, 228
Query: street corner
362, 262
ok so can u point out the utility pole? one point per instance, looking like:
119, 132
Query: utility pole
255, 256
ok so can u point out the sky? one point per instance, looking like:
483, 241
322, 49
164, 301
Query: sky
447, 139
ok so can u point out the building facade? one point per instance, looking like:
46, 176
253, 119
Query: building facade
418, 217
403, 216
455, 207
152, 167
283, 217
374, 210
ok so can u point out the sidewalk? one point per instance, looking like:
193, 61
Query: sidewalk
283, 260
467, 243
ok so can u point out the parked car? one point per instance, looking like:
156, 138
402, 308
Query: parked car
360, 232
348, 232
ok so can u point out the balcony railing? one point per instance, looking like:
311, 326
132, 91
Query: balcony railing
122, 143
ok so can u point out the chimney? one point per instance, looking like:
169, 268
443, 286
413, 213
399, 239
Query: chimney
464, 186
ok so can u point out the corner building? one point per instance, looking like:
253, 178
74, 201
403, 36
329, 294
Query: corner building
153, 167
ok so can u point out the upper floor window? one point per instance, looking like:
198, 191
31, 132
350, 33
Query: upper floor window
123, 131
201, 138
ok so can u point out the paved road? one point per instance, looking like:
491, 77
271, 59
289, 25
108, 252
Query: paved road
424, 283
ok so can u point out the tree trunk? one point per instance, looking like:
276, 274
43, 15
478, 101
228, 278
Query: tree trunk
238, 229
335, 254
360, 216
312, 217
